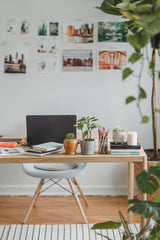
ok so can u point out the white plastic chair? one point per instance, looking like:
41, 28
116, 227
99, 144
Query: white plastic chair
49, 171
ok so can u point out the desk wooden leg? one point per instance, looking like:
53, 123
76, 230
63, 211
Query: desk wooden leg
130, 188
143, 221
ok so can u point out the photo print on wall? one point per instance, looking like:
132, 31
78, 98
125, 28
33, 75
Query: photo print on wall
12, 26
112, 32
25, 27
42, 46
112, 60
77, 60
15, 58
42, 65
42, 28
78, 32
53, 28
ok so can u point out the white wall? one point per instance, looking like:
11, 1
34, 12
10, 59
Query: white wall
101, 94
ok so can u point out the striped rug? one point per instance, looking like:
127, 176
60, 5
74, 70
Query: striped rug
59, 232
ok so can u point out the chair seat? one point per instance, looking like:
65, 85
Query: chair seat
31, 170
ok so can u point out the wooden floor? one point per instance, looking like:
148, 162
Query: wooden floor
61, 210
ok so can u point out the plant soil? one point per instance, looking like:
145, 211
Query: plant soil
150, 155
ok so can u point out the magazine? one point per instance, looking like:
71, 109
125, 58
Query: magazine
10, 151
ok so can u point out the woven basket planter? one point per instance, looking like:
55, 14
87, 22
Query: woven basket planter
138, 167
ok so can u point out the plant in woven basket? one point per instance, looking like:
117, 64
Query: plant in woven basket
142, 17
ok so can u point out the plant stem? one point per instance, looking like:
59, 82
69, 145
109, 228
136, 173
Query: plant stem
154, 107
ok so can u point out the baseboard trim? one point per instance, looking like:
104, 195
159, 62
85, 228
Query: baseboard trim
28, 190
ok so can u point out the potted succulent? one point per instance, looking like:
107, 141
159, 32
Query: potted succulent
70, 144
142, 19
119, 135
86, 125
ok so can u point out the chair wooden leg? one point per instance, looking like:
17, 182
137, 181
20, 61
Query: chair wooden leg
34, 199
77, 200
80, 190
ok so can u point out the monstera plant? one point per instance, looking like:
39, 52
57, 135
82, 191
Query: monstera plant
142, 18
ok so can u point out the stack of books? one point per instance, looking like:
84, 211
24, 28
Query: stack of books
45, 149
124, 149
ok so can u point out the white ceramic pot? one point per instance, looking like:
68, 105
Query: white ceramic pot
119, 137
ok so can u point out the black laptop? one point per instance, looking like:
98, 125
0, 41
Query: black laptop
49, 128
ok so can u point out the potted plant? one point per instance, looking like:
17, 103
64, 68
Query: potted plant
148, 182
70, 144
119, 135
142, 19
86, 125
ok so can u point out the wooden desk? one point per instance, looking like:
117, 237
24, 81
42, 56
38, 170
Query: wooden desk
96, 158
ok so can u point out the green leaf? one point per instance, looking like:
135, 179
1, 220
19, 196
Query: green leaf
109, 7
146, 209
130, 99
85, 134
142, 93
126, 73
147, 183
155, 170
152, 64
124, 223
138, 40
135, 57
145, 119
80, 125
157, 199
106, 225
157, 110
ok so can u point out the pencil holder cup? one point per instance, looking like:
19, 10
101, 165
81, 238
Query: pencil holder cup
103, 146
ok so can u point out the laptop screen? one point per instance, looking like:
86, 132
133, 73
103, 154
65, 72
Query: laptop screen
49, 128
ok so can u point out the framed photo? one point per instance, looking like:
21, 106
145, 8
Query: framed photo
25, 27
42, 28
15, 58
42, 46
77, 60
53, 29
112, 32
12, 26
78, 32
110, 60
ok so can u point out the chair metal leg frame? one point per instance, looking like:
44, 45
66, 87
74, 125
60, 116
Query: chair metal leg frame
80, 190
77, 200
34, 199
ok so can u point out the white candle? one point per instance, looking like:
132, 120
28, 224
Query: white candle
132, 138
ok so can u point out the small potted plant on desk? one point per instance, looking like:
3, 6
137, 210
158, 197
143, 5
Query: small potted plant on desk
87, 143
70, 144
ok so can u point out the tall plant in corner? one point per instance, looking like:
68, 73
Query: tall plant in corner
142, 18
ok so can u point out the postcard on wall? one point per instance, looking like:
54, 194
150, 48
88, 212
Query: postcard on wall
112, 32
54, 62
78, 32
112, 60
77, 60
25, 27
15, 58
12, 26
42, 28
52, 45
42, 46
53, 29
42, 63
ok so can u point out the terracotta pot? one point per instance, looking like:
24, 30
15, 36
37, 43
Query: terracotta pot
70, 146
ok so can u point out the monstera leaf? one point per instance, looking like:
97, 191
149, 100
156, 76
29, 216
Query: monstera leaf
146, 209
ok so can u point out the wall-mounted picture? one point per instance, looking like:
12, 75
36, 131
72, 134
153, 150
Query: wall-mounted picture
42, 65
25, 27
42, 28
112, 59
12, 26
15, 58
78, 32
53, 28
77, 60
42, 46
52, 46
54, 62
112, 32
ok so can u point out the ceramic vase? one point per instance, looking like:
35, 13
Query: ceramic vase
70, 146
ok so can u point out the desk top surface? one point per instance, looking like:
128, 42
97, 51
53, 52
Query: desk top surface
62, 157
